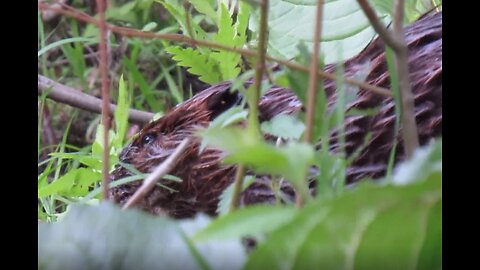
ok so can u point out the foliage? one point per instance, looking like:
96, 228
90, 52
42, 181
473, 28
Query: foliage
391, 223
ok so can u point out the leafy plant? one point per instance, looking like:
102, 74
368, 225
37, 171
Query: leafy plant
211, 65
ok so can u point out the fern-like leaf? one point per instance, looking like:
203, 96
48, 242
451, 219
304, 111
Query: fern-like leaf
197, 63
227, 61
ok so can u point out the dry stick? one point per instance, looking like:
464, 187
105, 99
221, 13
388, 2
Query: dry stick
313, 80
129, 32
409, 130
105, 96
313, 84
157, 174
78, 99
396, 41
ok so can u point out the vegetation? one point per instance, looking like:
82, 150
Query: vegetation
390, 223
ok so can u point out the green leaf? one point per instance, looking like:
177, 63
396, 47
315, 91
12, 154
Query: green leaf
370, 227
205, 7
105, 237
284, 126
197, 63
251, 221
149, 26
226, 35
121, 115
176, 9
74, 183
291, 161
64, 41
345, 27
138, 78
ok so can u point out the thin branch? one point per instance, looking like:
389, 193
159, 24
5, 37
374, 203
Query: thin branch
313, 83
260, 68
382, 31
396, 40
253, 124
78, 99
409, 125
237, 188
101, 5
157, 174
129, 32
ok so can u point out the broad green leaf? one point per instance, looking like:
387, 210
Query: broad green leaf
197, 63
345, 27
284, 126
251, 221
370, 227
105, 237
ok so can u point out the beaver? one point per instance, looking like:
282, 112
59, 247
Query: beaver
203, 176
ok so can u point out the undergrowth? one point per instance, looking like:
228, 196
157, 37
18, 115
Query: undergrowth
339, 228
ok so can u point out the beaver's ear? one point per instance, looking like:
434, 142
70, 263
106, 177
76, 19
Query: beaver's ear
222, 101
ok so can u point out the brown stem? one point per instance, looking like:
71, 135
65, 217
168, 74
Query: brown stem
78, 99
237, 188
409, 125
105, 96
381, 30
396, 40
203, 43
260, 68
313, 83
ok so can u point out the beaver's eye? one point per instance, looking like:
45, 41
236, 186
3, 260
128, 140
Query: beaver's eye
149, 138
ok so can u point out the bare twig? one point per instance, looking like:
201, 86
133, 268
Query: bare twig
157, 174
101, 5
313, 83
396, 40
409, 124
125, 31
382, 31
78, 99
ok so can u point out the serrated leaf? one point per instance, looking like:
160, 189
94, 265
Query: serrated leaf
105, 237
251, 221
226, 35
371, 227
197, 63
284, 126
